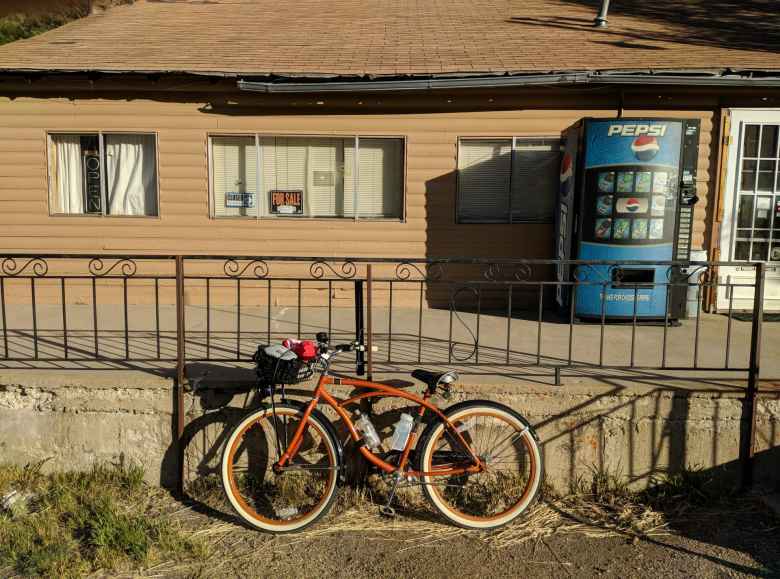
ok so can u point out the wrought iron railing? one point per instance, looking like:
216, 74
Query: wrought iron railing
484, 316
480, 314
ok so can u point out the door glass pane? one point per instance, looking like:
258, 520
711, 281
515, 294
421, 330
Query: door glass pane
745, 213
742, 250
744, 234
766, 175
750, 147
763, 212
769, 141
775, 253
760, 251
761, 234
748, 182
777, 214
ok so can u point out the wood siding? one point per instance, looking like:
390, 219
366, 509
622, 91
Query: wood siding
184, 225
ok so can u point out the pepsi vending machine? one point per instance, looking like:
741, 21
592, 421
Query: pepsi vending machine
627, 193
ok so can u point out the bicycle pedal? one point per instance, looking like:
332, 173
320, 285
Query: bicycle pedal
387, 511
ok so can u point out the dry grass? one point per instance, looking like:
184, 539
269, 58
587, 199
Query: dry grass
416, 525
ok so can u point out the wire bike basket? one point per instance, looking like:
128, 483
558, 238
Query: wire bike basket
279, 365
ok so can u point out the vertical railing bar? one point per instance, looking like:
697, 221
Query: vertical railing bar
299, 309
64, 319
124, 304
5, 324
180, 368
369, 321
390, 324
748, 435
157, 315
509, 321
330, 306
208, 318
698, 319
539, 326
268, 312
95, 316
603, 322
238, 318
669, 289
34, 317
728, 324
419, 325
450, 345
633, 325
479, 314
571, 324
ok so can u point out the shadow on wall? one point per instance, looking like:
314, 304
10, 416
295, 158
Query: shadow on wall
476, 226
742, 25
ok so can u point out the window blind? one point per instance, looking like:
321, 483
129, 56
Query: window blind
234, 170
535, 179
381, 175
484, 169
321, 167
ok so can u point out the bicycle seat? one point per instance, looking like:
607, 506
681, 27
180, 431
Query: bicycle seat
433, 379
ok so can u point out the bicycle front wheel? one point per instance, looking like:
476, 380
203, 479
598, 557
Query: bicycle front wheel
507, 446
290, 498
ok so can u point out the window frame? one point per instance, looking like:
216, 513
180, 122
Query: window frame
258, 179
514, 139
104, 194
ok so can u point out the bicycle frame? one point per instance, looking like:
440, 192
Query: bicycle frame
377, 390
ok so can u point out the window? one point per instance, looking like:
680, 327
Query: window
103, 174
758, 195
508, 180
275, 176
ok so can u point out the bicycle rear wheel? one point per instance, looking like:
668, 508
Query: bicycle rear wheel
508, 447
297, 495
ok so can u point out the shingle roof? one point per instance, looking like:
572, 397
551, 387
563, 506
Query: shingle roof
404, 37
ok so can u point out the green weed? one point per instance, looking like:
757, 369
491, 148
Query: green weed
82, 522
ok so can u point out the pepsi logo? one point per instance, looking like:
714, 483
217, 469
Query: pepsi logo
645, 148
566, 167
566, 174
633, 205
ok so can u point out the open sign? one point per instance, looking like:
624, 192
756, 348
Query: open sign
287, 201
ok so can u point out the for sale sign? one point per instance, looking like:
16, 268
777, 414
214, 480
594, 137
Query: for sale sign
287, 201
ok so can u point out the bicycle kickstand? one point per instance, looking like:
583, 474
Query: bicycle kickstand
387, 510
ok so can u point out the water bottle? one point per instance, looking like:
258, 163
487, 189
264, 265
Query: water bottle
403, 428
366, 428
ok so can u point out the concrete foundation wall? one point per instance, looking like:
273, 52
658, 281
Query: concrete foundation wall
639, 429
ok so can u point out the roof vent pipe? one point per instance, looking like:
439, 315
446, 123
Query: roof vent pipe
601, 19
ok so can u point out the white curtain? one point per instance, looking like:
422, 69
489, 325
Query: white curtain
68, 190
131, 175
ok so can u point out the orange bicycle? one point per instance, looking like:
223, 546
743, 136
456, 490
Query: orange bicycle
478, 462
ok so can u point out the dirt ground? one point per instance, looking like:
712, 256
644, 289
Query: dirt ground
558, 538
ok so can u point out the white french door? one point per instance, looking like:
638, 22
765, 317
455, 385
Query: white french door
750, 231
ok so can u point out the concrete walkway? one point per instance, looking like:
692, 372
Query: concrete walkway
706, 348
